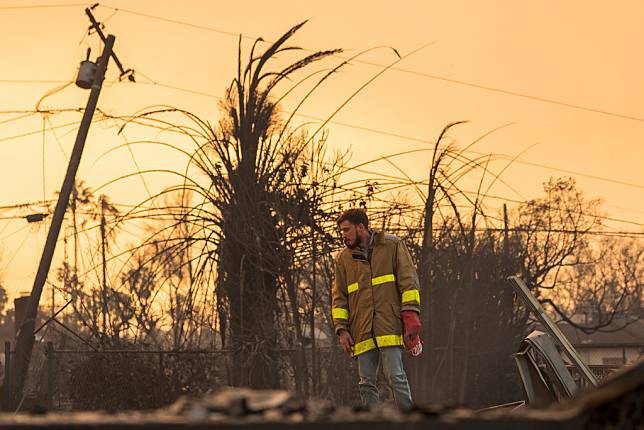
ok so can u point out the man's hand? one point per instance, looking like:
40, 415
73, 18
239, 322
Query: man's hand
346, 341
411, 324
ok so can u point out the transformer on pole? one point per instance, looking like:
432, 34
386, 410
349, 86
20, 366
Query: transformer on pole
90, 76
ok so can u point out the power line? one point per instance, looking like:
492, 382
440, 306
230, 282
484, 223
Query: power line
372, 130
625, 209
400, 136
174, 87
178, 22
5, 227
17, 118
31, 133
45, 6
572, 172
60, 146
5, 218
564, 231
44, 176
623, 221
18, 249
34, 111
23, 228
390, 134
511, 200
507, 199
489, 196
409, 138
32, 81
399, 69
28, 204
527, 96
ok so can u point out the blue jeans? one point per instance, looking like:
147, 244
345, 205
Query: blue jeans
392, 366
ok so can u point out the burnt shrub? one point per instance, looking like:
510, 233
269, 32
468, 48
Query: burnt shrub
121, 381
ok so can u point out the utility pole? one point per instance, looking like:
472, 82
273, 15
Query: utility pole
25, 337
506, 239
314, 258
104, 334
75, 226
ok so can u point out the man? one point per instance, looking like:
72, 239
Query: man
376, 306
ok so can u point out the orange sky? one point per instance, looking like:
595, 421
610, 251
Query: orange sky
576, 52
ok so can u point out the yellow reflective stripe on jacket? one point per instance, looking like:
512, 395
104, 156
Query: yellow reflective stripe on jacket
382, 341
340, 313
352, 288
411, 295
364, 346
382, 279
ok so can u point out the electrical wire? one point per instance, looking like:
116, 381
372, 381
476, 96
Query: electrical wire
60, 146
398, 69
625, 209
18, 249
44, 186
31, 133
45, 6
4, 218
48, 110
31, 81
45, 203
362, 128
377, 131
175, 21
23, 228
6, 225
18, 118
410, 138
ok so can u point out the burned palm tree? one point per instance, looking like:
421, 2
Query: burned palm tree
250, 225
260, 202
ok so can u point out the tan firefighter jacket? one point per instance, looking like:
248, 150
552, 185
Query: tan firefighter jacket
370, 291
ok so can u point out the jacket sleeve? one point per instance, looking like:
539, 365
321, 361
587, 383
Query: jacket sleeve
340, 306
407, 279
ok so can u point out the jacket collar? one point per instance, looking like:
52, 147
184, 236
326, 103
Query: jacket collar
377, 238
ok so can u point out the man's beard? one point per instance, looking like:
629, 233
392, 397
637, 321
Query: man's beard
354, 244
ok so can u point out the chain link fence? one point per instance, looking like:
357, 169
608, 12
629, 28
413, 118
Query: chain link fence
112, 380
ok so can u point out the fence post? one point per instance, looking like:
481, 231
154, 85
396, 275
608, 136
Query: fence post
6, 394
50, 375
161, 370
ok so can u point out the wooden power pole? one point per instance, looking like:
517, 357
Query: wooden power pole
25, 336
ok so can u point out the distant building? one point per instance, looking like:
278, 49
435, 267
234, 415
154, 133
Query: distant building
615, 345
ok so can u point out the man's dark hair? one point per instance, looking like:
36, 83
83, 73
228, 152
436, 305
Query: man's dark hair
354, 216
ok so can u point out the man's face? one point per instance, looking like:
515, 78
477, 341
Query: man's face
350, 234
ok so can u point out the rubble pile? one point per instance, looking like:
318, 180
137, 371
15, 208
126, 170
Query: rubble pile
617, 404
276, 406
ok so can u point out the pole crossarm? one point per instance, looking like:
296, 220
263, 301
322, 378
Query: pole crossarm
97, 27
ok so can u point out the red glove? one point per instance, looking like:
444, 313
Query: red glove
411, 324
